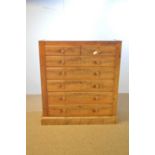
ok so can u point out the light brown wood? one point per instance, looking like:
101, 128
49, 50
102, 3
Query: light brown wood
78, 120
117, 72
79, 81
80, 110
43, 78
80, 73
104, 50
80, 61
65, 50
80, 85
80, 97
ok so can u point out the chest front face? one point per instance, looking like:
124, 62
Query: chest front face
79, 81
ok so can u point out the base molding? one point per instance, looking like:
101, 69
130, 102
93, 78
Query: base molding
78, 120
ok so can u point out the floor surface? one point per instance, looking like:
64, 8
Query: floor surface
110, 139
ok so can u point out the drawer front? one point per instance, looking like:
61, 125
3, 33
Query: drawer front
80, 85
80, 61
106, 50
80, 98
71, 73
52, 50
80, 110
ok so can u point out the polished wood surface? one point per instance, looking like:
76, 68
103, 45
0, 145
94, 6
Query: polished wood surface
106, 61
80, 97
79, 79
80, 73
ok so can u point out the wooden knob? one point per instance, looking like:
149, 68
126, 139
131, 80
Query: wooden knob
63, 98
96, 98
62, 110
62, 51
62, 62
62, 73
61, 85
96, 73
96, 62
94, 110
95, 86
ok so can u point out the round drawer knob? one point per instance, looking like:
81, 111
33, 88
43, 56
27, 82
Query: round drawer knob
95, 52
62, 110
62, 73
94, 110
61, 86
62, 51
63, 98
62, 62
96, 98
95, 86
96, 62
96, 73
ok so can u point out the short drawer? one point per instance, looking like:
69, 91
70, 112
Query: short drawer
98, 50
80, 98
54, 50
80, 61
80, 85
71, 73
80, 110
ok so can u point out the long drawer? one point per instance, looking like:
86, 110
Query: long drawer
80, 110
71, 73
80, 85
80, 98
80, 61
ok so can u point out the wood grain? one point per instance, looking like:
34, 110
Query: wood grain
58, 50
80, 110
80, 98
80, 61
78, 120
43, 78
117, 72
80, 85
80, 73
104, 50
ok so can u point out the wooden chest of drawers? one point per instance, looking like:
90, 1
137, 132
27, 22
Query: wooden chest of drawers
79, 81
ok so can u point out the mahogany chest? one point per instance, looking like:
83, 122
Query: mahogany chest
79, 81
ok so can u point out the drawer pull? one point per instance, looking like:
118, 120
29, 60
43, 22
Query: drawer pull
62, 51
96, 73
62, 73
61, 86
96, 86
96, 98
97, 62
62, 110
95, 52
63, 98
62, 62
94, 110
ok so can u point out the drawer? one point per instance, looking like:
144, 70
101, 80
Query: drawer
98, 50
80, 110
80, 61
71, 73
80, 98
80, 85
53, 50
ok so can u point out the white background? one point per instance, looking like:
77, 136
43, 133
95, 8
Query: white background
75, 20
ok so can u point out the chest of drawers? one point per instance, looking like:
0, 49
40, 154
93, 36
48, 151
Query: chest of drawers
79, 81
